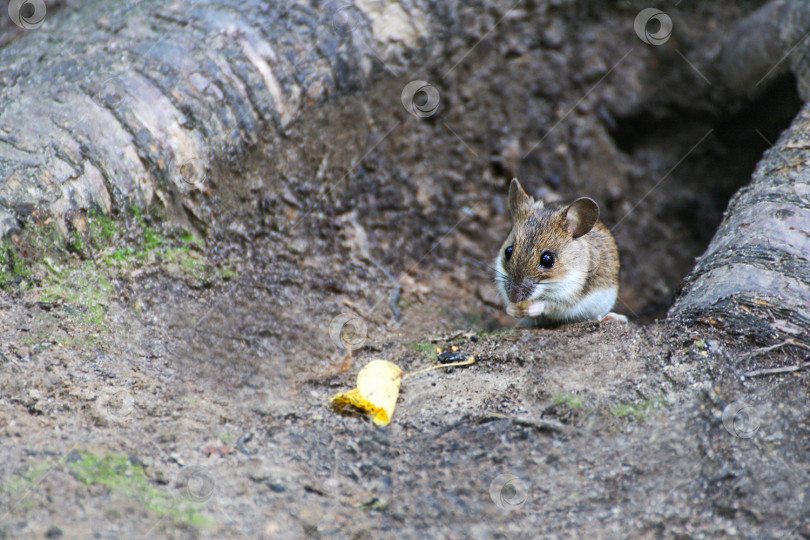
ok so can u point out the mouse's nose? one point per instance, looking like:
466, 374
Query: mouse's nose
520, 292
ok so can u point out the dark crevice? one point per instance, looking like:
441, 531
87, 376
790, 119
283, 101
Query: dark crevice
770, 114
697, 190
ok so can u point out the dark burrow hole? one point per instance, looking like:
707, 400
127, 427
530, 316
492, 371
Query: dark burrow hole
691, 202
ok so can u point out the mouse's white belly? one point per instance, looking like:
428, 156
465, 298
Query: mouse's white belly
595, 305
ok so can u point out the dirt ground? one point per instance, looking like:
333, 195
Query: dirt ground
165, 380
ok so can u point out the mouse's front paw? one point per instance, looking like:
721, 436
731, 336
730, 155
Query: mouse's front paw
613, 317
514, 311
536, 309
526, 309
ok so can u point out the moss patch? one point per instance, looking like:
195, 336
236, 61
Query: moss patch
641, 409
120, 475
79, 271
12, 266
573, 402
425, 348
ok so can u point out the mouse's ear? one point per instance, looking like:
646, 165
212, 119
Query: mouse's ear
518, 199
581, 216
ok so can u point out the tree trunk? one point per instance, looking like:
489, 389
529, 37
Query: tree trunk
133, 102
755, 274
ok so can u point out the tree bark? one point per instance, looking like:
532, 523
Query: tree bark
755, 274
132, 102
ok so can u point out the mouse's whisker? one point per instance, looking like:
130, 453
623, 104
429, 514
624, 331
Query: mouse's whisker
498, 276
527, 255
485, 266
487, 270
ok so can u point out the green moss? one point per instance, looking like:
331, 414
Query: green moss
12, 265
151, 239
574, 402
188, 238
226, 438
76, 242
22, 485
119, 475
180, 262
108, 228
22, 482
172, 252
101, 230
227, 274
86, 290
80, 341
122, 254
122, 476
640, 410
136, 212
424, 348
76, 271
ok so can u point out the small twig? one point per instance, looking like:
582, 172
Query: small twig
240, 443
322, 168
791, 341
776, 371
547, 425
450, 337
468, 362
357, 309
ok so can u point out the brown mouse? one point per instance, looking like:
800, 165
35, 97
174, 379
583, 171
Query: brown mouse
559, 264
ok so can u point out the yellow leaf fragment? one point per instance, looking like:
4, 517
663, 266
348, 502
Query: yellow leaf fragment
376, 393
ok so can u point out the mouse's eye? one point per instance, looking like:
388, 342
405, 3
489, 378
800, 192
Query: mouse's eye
507, 253
547, 259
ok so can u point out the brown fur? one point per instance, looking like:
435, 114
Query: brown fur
537, 227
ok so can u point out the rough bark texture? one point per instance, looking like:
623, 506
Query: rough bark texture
131, 102
755, 274
192, 84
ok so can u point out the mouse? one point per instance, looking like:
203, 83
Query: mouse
559, 264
